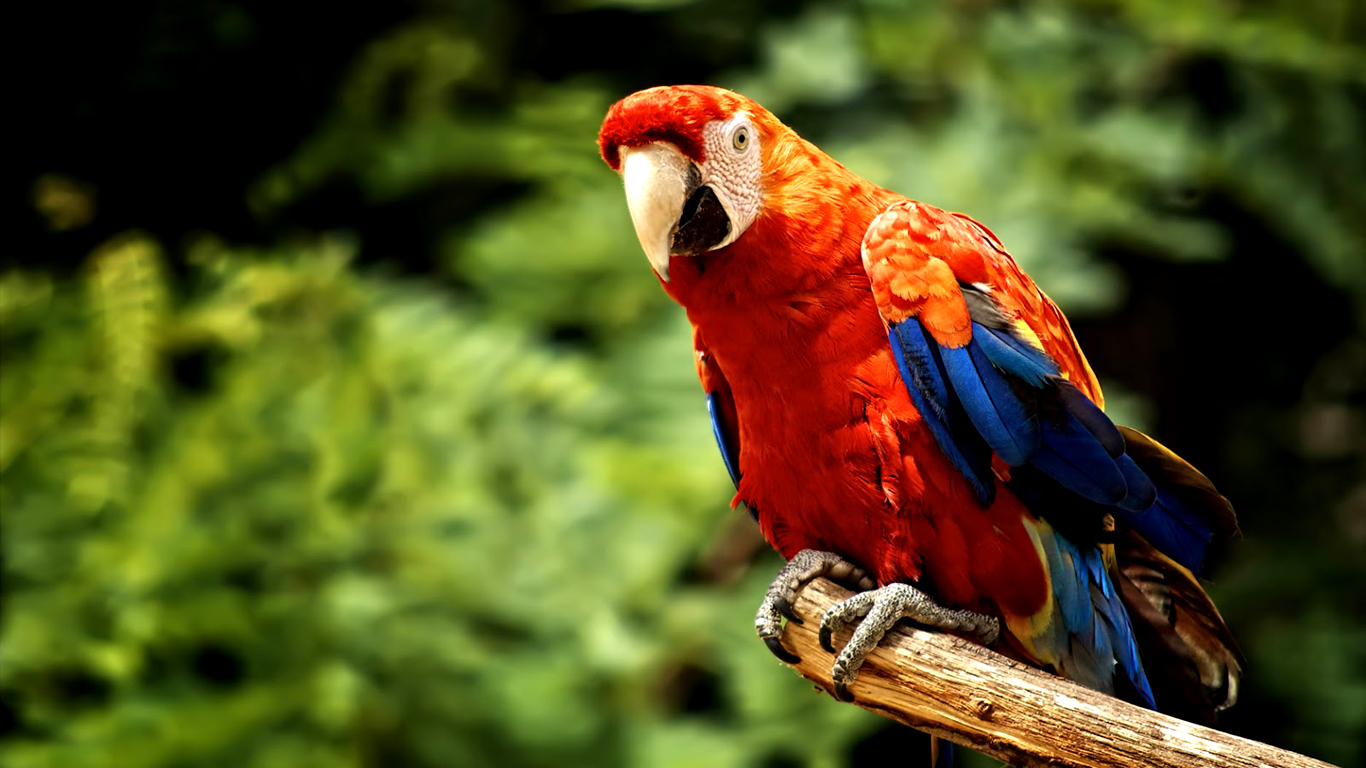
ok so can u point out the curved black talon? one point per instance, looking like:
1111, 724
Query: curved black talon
826, 637
842, 693
782, 594
783, 654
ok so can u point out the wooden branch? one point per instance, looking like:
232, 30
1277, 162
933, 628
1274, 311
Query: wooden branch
975, 697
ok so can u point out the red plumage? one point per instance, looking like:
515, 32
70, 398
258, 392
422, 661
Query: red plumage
675, 115
791, 335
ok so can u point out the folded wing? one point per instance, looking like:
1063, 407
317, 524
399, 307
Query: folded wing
1000, 382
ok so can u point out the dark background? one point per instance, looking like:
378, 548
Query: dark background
342, 423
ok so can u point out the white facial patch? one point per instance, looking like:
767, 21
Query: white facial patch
732, 169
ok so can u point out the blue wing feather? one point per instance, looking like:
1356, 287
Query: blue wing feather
1072, 456
1173, 528
1090, 416
1142, 494
1014, 355
991, 404
728, 453
999, 384
921, 368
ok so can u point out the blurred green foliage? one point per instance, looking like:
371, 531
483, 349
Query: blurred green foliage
413, 468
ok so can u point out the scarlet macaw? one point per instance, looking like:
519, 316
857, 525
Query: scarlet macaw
901, 407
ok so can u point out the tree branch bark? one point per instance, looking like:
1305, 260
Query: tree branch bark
975, 697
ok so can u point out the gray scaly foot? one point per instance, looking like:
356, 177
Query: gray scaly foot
806, 565
882, 609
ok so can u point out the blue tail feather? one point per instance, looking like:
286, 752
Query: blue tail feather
1072, 601
1092, 610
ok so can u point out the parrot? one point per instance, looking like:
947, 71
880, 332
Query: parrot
903, 410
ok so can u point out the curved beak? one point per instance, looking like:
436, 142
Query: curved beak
659, 180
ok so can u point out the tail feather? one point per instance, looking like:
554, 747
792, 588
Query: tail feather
1083, 632
1194, 662
1149, 621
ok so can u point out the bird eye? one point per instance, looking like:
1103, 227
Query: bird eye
740, 139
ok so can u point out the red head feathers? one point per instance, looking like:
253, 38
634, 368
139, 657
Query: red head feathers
674, 114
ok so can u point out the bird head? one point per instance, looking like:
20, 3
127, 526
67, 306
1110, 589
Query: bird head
692, 160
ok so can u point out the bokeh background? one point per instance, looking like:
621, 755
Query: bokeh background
342, 422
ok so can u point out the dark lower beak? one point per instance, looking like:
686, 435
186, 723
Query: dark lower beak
703, 225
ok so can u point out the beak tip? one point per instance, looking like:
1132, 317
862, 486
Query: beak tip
660, 266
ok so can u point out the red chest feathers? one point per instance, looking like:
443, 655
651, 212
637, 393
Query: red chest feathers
833, 455
822, 415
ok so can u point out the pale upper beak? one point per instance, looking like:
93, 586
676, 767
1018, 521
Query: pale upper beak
658, 181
